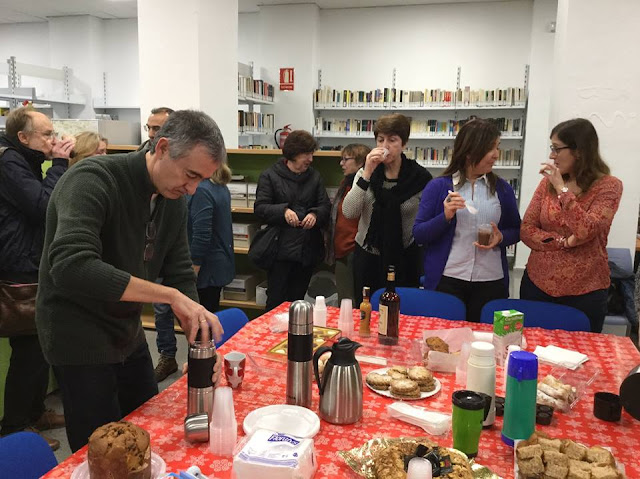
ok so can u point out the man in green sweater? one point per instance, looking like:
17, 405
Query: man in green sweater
115, 224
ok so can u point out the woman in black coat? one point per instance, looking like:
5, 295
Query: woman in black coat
292, 197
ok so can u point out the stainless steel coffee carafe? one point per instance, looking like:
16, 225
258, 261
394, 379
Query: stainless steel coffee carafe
300, 354
341, 383
202, 357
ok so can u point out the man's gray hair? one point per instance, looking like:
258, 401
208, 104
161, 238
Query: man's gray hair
186, 129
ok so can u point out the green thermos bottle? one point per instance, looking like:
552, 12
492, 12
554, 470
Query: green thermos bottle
520, 400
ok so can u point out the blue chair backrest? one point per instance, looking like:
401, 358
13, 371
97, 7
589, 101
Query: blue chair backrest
424, 302
232, 320
538, 314
25, 455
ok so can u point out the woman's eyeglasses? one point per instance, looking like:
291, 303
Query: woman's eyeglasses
556, 149
150, 236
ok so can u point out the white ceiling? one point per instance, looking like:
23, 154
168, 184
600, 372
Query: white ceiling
14, 11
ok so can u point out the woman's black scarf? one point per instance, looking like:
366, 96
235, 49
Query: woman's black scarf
385, 227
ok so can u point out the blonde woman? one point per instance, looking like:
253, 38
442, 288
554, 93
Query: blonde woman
88, 143
211, 237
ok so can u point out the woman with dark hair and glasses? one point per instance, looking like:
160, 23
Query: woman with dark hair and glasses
454, 261
341, 241
385, 196
292, 197
567, 224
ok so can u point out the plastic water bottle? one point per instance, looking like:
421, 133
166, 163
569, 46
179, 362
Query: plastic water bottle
320, 312
520, 399
481, 375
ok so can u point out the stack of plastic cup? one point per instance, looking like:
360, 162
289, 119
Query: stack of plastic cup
223, 429
345, 322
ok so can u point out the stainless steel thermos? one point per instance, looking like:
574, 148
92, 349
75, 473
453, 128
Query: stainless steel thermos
300, 354
202, 357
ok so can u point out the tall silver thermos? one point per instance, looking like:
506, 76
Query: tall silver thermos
202, 357
300, 354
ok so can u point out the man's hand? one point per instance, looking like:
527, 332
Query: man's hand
217, 369
63, 148
192, 316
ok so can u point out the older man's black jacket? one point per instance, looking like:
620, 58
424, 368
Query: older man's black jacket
24, 196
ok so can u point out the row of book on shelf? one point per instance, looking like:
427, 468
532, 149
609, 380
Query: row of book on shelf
441, 157
352, 126
250, 88
328, 97
252, 121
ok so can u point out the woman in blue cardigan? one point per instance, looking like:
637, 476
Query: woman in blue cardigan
454, 261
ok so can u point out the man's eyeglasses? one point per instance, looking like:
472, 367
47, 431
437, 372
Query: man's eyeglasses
152, 128
556, 149
47, 134
150, 236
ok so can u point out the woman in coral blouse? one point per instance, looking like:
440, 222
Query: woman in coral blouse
567, 223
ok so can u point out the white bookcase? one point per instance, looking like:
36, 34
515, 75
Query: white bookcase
254, 125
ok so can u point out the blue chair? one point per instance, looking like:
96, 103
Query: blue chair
25, 455
538, 314
423, 302
232, 320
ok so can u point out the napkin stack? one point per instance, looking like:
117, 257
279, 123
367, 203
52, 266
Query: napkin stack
560, 356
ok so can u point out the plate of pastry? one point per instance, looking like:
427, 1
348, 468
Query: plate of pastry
399, 382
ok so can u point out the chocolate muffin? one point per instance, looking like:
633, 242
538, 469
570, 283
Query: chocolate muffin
119, 450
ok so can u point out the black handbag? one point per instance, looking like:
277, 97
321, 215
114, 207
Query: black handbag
264, 247
17, 309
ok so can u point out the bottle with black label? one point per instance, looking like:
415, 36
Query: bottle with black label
388, 327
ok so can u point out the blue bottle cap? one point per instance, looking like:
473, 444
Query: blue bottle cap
523, 365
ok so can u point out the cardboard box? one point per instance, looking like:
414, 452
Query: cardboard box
238, 192
507, 330
242, 288
243, 234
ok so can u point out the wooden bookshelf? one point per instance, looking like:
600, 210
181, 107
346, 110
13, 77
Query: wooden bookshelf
240, 250
233, 303
252, 151
117, 148
239, 209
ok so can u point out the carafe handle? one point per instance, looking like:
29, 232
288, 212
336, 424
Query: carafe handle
321, 350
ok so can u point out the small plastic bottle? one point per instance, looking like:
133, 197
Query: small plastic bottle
365, 313
320, 312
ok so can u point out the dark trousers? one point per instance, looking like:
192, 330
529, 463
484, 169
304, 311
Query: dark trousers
474, 294
210, 298
370, 270
94, 395
287, 281
26, 384
593, 304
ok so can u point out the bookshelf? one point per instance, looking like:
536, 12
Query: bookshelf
254, 125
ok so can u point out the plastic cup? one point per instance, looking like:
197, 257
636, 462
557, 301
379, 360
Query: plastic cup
607, 406
345, 322
484, 234
223, 429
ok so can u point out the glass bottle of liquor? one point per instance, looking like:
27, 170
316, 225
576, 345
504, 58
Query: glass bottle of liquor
388, 327
365, 313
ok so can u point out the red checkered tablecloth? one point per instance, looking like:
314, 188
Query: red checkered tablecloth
163, 415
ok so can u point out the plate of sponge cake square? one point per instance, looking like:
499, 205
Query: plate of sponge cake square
544, 456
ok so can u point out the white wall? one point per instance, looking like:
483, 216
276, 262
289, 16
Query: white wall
120, 61
538, 124
248, 37
359, 48
29, 43
596, 77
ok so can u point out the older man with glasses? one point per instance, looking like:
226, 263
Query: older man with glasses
115, 224
24, 195
154, 123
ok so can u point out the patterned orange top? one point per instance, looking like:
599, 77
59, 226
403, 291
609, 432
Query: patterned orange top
562, 271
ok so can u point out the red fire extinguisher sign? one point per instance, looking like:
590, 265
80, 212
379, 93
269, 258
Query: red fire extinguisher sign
286, 79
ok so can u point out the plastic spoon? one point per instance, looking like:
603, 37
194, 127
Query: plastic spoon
472, 209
